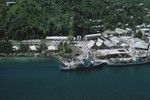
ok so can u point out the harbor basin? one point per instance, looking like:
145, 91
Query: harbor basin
40, 79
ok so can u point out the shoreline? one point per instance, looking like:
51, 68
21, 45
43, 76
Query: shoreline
31, 55
27, 55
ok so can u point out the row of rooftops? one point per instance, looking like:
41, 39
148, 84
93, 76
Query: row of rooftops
119, 42
10, 2
107, 38
124, 41
89, 36
106, 33
145, 29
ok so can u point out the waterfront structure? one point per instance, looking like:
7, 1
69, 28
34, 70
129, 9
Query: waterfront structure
140, 44
79, 38
33, 48
32, 42
74, 64
52, 42
99, 42
125, 62
124, 32
100, 47
10, 2
112, 53
139, 57
14, 42
121, 31
92, 36
145, 31
57, 38
90, 44
109, 33
52, 48
109, 43
115, 40
16, 48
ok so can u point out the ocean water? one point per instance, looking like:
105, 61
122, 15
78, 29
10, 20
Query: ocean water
41, 79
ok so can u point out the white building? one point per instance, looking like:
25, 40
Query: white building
59, 38
109, 33
15, 48
90, 44
91, 36
145, 31
33, 48
32, 42
121, 31
106, 54
10, 2
99, 42
114, 40
52, 48
108, 43
140, 44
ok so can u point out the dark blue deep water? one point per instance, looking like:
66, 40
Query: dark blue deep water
41, 79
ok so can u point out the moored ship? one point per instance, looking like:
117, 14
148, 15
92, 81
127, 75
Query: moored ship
77, 65
127, 62
82, 63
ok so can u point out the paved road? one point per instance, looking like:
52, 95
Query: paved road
84, 49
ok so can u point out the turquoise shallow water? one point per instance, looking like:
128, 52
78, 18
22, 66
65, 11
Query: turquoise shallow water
40, 79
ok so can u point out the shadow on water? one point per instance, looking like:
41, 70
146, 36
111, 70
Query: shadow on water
90, 69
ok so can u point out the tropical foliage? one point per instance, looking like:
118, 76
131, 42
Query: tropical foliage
37, 18
5, 47
24, 48
138, 35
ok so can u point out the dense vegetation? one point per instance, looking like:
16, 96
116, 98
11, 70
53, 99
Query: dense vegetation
28, 19
5, 47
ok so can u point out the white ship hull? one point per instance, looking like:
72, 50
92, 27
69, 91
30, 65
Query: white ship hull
127, 63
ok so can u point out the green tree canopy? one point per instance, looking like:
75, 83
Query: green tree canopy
5, 47
37, 18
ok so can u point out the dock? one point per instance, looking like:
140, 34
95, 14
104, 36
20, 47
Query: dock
68, 65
